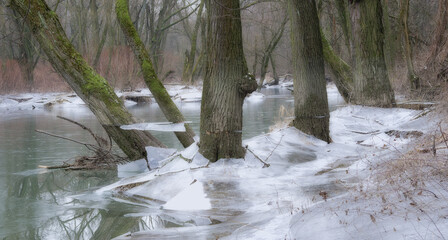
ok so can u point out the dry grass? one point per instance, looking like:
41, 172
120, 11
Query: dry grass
117, 65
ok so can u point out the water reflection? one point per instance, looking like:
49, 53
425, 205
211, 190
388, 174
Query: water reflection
57, 204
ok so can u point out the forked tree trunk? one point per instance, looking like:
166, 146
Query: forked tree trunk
88, 85
156, 87
226, 84
372, 85
269, 50
310, 93
190, 57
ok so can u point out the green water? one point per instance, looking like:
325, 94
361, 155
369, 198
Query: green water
57, 204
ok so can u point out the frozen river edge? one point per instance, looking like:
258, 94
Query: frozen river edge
311, 190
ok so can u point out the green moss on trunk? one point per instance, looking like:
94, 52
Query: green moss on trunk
156, 87
88, 85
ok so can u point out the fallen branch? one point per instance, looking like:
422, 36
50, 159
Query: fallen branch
103, 157
265, 165
62, 137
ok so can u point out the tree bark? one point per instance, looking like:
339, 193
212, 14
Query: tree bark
346, 25
156, 87
226, 84
274, 71
372, 85
187, 74
439, 45
268, 51
344, 79
310, 93
88, 85
413, 79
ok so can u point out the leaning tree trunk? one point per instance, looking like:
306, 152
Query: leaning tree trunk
226, 84
310, 94
156, 87
372, 85
90, 87
342, 72
269, 50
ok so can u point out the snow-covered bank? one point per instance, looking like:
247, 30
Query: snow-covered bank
296, 197
179, 93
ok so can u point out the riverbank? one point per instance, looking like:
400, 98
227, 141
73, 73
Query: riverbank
375, 180
293, 186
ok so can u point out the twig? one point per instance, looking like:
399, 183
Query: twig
265, 165
443, 136
101, 141
65, 138
281, 138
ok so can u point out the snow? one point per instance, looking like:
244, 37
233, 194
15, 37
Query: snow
255, 97
156, 126
286, 199
191, 198
305, 192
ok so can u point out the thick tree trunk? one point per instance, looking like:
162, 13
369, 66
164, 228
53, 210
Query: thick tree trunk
156, 87
90, 87
414, 80
310, 93
372, 85
226, 84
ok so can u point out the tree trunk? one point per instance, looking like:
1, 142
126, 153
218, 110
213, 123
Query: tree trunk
187, 75
226, 84
344, 79
274, 71
439, 45
156, 87
254, 65
90, 87
310, 93
268, 51
346, 25
28, 54
372, 85
406, 45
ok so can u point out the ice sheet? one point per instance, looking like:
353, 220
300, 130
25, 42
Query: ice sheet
156, 126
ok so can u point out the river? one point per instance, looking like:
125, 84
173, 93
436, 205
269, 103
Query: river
55, 204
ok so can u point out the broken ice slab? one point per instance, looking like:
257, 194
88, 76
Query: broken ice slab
157, 126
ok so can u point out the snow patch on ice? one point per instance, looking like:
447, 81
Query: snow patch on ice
191, 198
255, 97
156, 126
